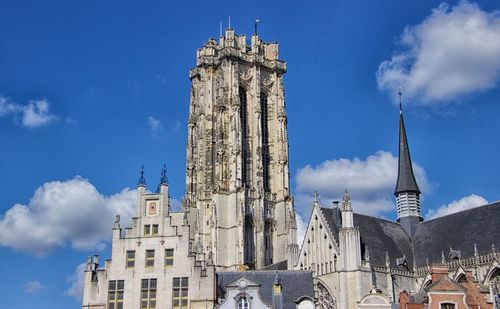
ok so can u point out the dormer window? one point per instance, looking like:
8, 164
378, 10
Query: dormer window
243, 303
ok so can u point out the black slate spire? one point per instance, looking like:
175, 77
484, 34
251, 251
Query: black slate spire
406, 179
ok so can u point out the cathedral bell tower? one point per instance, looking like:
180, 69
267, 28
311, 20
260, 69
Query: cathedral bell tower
238, 200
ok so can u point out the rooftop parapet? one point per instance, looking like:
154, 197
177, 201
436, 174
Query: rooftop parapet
232, 45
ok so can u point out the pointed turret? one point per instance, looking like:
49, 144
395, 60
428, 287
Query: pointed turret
163, 179
406, 178
142, 181
407, 191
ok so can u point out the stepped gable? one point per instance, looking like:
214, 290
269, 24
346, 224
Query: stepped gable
460, 231
295, 284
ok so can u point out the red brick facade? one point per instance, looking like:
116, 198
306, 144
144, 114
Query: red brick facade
463, 294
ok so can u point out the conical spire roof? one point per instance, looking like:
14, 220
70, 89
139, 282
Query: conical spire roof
406, 178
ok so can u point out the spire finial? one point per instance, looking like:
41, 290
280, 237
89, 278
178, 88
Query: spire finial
142, 180
347, 201
164, 179
476, 252
400, 93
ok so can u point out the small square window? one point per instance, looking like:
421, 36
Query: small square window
150, 258
169, 257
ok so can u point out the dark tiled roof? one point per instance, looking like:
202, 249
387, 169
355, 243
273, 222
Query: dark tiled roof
333, 219
295, 284
406, 179
381, 236
283, 265
461, 230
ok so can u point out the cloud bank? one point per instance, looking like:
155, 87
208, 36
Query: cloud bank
65, 212
454, 52
466, 202
370, 182
32, 115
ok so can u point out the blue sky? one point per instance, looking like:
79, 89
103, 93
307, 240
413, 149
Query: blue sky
90, 90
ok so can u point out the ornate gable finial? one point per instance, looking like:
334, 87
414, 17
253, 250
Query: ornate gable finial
443, 258
493, 250
347, 201
142, 181
316, 198
476, 252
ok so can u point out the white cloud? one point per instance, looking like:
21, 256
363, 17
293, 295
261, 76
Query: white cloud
453, 52
76, 282
370, 182
466, 202
154, 124
65, 212
33, 286
35, 114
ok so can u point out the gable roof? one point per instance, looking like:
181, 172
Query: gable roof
460, 231
295, 284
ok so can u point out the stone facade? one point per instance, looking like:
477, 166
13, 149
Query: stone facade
153, 264
237, 213
238, 197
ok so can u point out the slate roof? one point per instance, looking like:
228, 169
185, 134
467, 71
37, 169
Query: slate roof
283, 265
460, 231
294, 284
406, 179
333, 219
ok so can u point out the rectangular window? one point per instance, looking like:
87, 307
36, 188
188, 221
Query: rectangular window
448, 306
169, 257
130, 259
155, 229
148, 293
150, 258
180, 292
147, 230
115, 294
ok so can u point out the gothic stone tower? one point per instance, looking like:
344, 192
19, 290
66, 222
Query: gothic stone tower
237, 178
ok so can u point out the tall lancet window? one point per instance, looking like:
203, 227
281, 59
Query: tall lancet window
249, 243
245, 162
265, 140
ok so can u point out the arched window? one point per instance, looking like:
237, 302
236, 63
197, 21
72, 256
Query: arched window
448, 306
245, 172
243, 303
325, 299
265, 141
